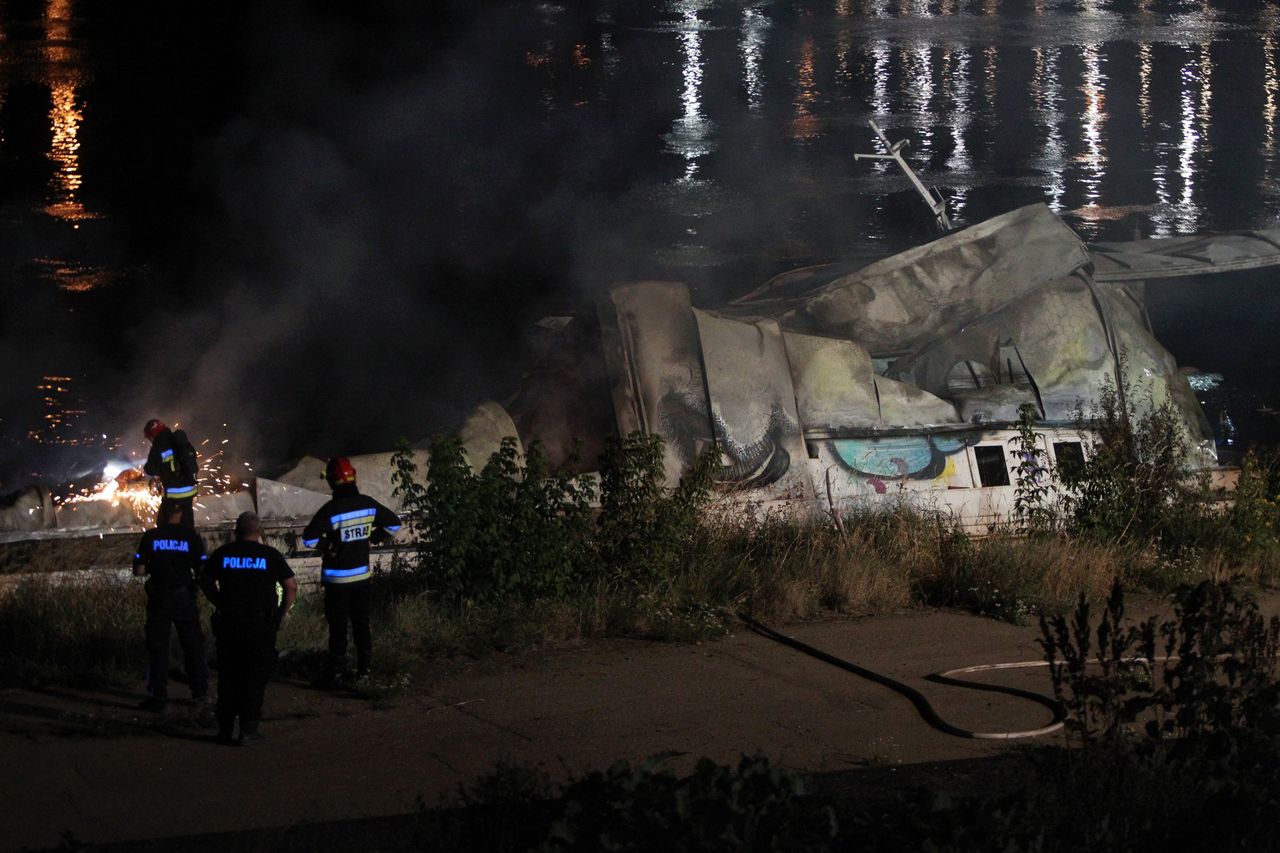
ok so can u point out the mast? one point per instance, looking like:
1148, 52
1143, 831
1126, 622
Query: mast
930, 195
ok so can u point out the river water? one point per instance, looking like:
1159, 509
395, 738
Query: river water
178, 203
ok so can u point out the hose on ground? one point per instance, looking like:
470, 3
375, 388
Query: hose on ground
917, 699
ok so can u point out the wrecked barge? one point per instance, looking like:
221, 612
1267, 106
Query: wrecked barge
841, 383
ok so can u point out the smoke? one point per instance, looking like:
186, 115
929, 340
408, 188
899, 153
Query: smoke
406, 190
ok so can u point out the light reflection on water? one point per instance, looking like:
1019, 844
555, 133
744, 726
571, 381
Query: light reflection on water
806, 124
1095, 157
690, 135
949, 90
1094, 107
755, 30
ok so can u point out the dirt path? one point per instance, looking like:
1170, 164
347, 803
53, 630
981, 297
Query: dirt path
81, 762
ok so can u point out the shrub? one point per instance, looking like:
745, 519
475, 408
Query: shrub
1135, 481
644, 533
1209, 669
748, 807
1034, 510
515, 530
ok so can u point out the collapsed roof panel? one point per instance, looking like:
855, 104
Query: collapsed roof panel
934, 290
835, 383
1151, 371
1174, 257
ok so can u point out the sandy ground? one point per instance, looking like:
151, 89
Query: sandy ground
86, 763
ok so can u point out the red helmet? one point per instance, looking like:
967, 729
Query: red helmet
340, 471
154, 427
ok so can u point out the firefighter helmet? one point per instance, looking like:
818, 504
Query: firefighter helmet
340, 471
154, 427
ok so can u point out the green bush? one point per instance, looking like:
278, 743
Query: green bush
645, 533
519, 530
1135, 481
514, 530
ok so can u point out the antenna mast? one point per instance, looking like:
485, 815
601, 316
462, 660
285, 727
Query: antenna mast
931, 196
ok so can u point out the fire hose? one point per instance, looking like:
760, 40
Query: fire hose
948, 678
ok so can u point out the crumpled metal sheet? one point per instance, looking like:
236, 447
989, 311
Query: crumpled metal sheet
1054, 334
753, 404
835, 382
1174, 257
221, 509
837, 390
1152, 373
934, 290
278, 501
32, 509
654, 360
374, 474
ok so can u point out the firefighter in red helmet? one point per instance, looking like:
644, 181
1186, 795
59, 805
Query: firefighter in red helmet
173, 460
342, 530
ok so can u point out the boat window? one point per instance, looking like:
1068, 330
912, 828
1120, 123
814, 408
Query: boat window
1069, 457
992, 470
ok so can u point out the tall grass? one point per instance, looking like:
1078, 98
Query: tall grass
78, 633
516, 555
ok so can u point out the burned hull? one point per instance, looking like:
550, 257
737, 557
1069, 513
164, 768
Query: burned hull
898, 378
830, 384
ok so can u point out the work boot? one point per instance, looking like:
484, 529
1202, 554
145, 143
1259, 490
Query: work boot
227, 737
154, 705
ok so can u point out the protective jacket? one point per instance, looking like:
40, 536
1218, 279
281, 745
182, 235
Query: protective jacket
173, 556
172, 459
342, 529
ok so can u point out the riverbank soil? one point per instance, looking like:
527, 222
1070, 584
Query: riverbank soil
87, 763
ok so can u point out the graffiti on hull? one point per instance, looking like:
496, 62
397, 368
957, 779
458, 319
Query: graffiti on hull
753, 463
907, 457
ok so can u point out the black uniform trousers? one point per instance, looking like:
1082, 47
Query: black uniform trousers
246, 658
188, 513
345, 602
176, 607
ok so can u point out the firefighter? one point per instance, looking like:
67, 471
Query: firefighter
341, 530
240, 579
171, 557
173, 460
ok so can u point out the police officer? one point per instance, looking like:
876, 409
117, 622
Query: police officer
342, 529
240, 579
171, 556
173, 460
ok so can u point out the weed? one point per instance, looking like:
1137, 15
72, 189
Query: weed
84, 633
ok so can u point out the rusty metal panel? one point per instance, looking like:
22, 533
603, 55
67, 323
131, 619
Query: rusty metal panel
753, 405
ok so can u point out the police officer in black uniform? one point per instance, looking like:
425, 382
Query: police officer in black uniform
173, 460
341, 529
171, 557
240, 579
